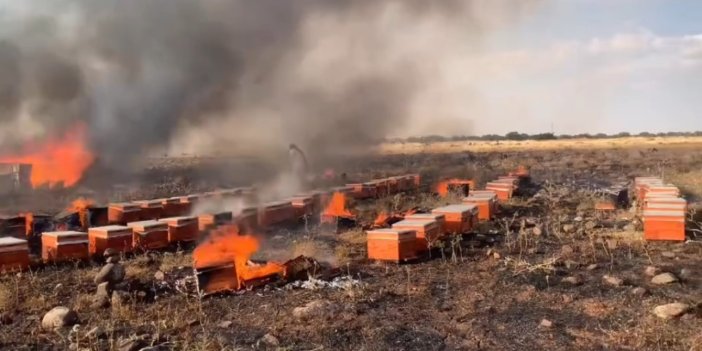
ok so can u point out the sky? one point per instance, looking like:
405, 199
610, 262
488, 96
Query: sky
590, 66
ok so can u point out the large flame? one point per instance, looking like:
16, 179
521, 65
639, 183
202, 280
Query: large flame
337, 208
81, 206
59, 160
226, 246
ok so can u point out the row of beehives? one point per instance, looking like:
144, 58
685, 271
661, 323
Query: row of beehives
663, 210
417, 233
157, 224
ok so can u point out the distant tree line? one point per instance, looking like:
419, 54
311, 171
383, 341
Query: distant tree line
516, 136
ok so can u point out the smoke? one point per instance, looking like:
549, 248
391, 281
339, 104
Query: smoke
233, 75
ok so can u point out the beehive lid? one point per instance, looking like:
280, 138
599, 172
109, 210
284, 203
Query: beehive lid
421, 216
125, 206
149, 203
657, 213
219, 215
188, 198
477, 199
678, 206
143, 225
393, 234
277, 204
342, 189
110, 228
419, 223
666, 199
172, 200
498, 185
178, 220
464, 209
66, 235
9, 241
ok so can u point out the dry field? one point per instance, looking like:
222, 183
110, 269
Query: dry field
549, 274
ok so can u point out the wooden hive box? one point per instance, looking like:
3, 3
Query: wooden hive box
120, 238
381, 187
123, 213
150, 209
64, 246
362, 190
247, 221
440, 219
274, 213
391, 245
303, 205
173, 207
191, 199
149, 235
14, 254
209, 221
416, 180
182, 229
426, 232
485, 204
216, 279
664, 225
459, 218
640, 184
503, 190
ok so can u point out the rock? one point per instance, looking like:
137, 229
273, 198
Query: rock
103, 295
611, 280
570, 264
592, 267
630, 227
568, 228
686, 273
269, 340
573, 280
160, 276
671, 310
639, 291
316, 308
664, 278
112, 273
537, 231
58, 286
545, 323
59, 317
652, 271
496, 255
225, 324
668, 254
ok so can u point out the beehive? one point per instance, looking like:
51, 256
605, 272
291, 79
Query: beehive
459, 218
416, 180
440, 219
191, 199
14, 254
150, 209
274, 213
486, 204
502, 190
380, 185
116, 237
303, 205
391, 245
64, 246
661, 189
247, 221
211, 280
173, 207
182, 229
149, 235
123, 213
664, 225
362, 190
426, 232
459, 186
209, 221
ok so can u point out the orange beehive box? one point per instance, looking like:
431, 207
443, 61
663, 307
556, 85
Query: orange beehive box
115, 237
391, 245
150, 209
362, 190
191, 199
416, 180
209, 221
403, 182
440, 219
666, 204
303, 205
660, 189
14, 254
426, 232
182, 229
211, 280
247, 221
64, 246
380, 185
503, 190
664, 225
123, 213
485, 203
461, 186
274, 213
173, 207
459, 218
640, 184
149, 235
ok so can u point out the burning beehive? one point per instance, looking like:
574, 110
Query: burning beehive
123, 213
182, 229
222, 263
149, 235
14, 254
210, 221
64, 246
392, 245
426, 232
459, 218
150, 209
457, 186
303, 205
116, 237
380, 186
337, 209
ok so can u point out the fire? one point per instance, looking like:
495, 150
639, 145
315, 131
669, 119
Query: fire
60, 160
81, 205
384, 220
381, 220
337, 208
28, 223
226, 246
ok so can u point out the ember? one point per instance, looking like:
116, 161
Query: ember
58, 161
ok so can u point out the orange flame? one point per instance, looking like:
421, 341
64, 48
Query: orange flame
381, 220
28, 223
337, 208
226, 246
58, 160
81, 205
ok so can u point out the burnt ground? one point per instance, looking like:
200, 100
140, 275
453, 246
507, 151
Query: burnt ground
491, 290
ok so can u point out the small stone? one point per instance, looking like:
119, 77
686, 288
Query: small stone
630, 228
671, 310
592, 267
59, 317
686, 273
112, 272
652, 271
160, 276
568, 228
58, 286
545, 323
225, 324
664, 278
537, 231
573, 280
270, 340
611, 280
496, 255
316, 308
639, 291
668, 254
